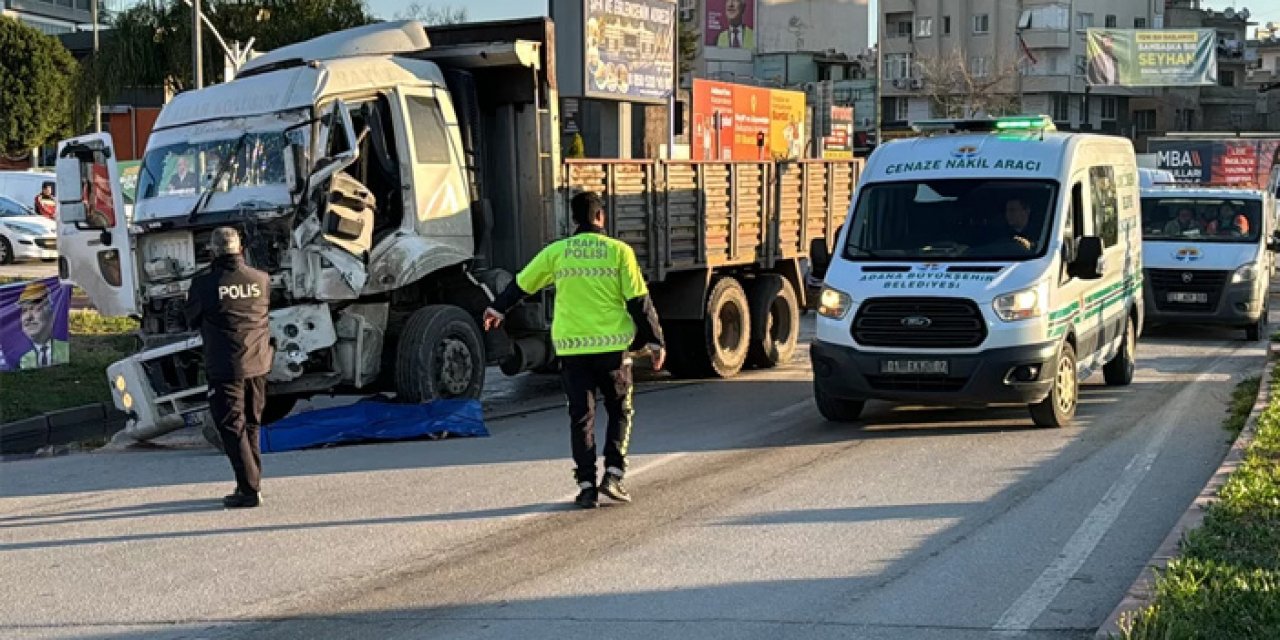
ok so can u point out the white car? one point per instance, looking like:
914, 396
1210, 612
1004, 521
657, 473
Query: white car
25, 234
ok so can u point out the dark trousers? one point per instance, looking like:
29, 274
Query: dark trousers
236, 406
584, 376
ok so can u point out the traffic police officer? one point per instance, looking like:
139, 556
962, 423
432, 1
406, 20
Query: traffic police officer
229, 304
602, 312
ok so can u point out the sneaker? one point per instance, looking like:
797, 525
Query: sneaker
612, 487
242, 500
588, 497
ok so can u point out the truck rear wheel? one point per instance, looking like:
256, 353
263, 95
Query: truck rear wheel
717, 345
1059, 407
440, 355
775, 321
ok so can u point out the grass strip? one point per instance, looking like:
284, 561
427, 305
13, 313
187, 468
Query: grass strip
96, 342
1225, 583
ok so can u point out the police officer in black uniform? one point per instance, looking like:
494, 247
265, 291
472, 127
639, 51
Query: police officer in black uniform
229, 304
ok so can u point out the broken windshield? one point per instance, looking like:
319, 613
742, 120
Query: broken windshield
189, 168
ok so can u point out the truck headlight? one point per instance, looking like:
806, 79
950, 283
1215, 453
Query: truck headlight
1019, 305
1246, 273
120, 383
127, 401
833, 303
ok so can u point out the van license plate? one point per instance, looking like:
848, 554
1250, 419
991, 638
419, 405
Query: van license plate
906, 367
1188, 297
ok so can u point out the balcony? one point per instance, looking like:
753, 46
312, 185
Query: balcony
1047, 38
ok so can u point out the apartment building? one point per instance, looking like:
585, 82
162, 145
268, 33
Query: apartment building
1025, 56
1262, 77
54, 17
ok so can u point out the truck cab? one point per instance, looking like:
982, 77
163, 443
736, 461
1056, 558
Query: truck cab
987, 261
1209, 255
361, 169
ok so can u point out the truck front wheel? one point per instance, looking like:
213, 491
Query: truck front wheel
440, 355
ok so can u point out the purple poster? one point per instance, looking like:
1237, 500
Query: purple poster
33, 324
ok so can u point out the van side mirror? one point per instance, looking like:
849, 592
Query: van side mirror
1273, 244
1089, 264
819, 257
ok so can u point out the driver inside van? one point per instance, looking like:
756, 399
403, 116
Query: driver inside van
1183, 223
1018, 216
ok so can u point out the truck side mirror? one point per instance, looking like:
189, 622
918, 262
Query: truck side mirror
819, 257
1089, 263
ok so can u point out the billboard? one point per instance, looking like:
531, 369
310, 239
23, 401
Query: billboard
33, 324
1245, 162
1151, 57
741, 122
730, 24
839, 145
629, 49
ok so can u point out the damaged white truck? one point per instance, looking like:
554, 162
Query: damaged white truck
390, 179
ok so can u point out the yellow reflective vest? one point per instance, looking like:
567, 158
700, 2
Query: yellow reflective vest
594, 276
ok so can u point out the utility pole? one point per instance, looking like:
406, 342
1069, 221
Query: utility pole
196, 62
97, 99
879, 98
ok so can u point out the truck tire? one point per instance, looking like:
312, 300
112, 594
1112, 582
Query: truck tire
278, 408
775, 321
440, 355
1059, 407
1119, 372
717, 345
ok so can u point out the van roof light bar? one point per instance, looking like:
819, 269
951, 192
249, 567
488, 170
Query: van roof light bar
1032, 124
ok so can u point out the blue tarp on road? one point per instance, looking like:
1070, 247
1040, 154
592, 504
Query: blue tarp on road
374, 420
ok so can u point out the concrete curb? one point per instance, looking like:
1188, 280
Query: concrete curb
62, 427
1142, 591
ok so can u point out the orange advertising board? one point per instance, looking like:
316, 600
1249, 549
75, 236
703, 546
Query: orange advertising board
741, 122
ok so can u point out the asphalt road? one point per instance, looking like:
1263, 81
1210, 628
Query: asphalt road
753, 519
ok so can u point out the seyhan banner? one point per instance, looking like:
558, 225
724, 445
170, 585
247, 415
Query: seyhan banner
1152, 57
33, 324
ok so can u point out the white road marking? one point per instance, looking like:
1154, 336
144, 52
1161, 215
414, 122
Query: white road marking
1033, 602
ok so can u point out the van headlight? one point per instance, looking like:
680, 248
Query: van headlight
1246, 273
833, 303
1019, 305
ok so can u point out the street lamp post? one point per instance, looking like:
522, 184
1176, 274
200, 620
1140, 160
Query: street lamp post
197, 64
97, 99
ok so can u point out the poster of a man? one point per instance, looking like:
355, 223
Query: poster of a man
33, 324
1103, 67
731, 24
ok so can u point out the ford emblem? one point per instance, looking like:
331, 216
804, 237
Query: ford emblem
916, 322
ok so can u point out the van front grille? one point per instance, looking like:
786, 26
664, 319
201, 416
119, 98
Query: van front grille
919, 323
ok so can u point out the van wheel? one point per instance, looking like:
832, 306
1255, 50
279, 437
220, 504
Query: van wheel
718, 344
6, 251
1059, 407
837, 409
775, 321
440, 355
1254, 332
1119, 372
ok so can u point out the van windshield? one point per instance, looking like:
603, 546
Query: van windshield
977, 219
1201, 219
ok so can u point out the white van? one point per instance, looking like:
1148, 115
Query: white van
23, 186
989, 261
1209, 256
1154, 177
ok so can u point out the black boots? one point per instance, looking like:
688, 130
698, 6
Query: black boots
239, 500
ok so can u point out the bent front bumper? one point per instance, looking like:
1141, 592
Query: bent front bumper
162, 389
988, 377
